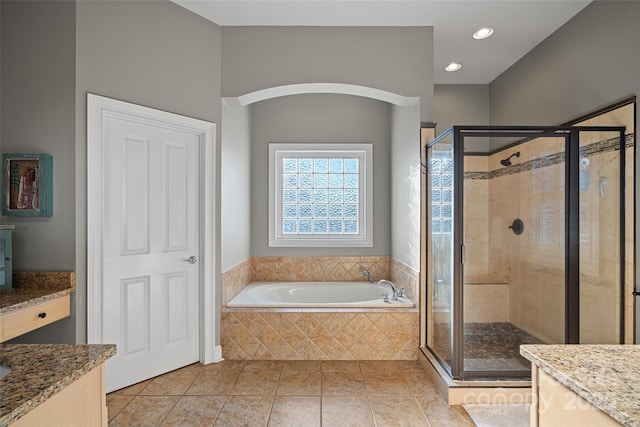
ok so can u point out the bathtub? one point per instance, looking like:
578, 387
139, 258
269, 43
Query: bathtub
316, 295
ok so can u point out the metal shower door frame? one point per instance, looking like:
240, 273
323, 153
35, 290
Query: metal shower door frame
571, 135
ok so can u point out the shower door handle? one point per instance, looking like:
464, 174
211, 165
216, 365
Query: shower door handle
462, 251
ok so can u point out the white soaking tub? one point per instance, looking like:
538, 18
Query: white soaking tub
316, 294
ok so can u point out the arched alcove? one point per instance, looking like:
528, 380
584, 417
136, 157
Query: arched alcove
236, 168
336, 88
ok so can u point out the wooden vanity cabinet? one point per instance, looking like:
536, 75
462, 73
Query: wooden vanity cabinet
554, 405
33, 317
82, 403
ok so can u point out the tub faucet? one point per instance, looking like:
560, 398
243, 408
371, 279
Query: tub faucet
394, 296
366, 273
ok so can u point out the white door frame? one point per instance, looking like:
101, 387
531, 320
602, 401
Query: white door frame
98, 108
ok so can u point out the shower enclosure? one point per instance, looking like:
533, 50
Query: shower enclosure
525, 243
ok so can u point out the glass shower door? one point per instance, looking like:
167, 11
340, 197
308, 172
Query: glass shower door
513, 236
602, 248
440, 249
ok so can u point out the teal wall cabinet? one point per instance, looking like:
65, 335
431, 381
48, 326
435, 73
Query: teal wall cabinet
6, 260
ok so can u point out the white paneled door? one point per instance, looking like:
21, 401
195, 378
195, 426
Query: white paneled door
150, 247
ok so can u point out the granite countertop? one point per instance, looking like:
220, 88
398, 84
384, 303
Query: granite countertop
607, 376
31, 288
41, 370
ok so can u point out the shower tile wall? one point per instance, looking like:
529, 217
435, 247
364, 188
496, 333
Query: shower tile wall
486, 280
476, 225
532, 262
486, 302
531, 265
600, 252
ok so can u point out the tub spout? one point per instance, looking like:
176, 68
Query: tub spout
394, 296
366, 273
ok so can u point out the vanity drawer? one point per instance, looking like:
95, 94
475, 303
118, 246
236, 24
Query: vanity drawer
27, 319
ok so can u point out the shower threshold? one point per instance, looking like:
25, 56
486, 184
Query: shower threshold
481, 391
491, 347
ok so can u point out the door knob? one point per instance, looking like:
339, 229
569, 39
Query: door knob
191, 260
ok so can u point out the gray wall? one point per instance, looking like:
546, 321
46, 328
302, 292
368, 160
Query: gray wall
396, 59
589, 63
235, 192
405, 184
38, 116
0, 78
320, 118
399, 60
156, 54
460, 105
151, 53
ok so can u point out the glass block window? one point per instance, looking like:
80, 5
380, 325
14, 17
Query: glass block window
319, 195
441, 170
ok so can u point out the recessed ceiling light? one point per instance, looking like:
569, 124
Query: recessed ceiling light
454, 66
483, 33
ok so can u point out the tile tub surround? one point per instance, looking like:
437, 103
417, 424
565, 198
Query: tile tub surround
293, 393
320, 334
315, 334
235, 279
39, 371
405, 277
316, 269
604, 375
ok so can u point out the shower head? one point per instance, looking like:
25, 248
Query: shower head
507, 161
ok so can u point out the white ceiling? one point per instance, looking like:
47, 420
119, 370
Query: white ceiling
519, 25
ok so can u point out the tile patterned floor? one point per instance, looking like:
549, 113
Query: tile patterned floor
287, 393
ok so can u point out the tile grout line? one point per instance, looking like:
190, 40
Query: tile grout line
321, 394
415, 398
275, 393
171, 410
177, 401
366, 393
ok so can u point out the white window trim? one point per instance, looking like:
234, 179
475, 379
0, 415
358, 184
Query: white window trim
277, 238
